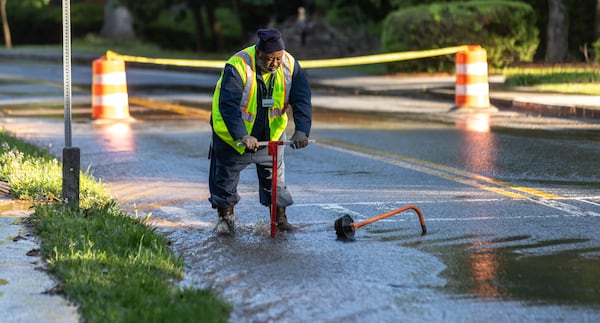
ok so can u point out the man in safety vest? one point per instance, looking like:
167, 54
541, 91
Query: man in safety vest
249, 105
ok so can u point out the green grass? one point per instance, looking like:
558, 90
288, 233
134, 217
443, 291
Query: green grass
574, 80
118, 269
33, 174
114, 266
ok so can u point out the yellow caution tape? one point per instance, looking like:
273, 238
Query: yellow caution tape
318, 63
110, 55
380, 58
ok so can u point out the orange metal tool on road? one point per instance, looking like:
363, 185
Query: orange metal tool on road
345, 226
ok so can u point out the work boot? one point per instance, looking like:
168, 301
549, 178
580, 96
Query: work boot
282, 222
226, 221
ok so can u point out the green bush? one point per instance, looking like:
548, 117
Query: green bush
504, 28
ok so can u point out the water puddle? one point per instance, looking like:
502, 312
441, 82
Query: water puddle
500, 269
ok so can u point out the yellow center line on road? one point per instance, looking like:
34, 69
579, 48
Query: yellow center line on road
453, 174
482, 178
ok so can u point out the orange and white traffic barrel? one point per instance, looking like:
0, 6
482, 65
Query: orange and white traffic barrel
109, 90
472, 89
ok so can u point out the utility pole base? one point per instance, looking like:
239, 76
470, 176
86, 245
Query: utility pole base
71, 170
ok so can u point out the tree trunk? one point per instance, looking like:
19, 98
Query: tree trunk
557, 32
5, 27
118, 23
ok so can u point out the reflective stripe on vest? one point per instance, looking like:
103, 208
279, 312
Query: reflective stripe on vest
249, 83
288, 66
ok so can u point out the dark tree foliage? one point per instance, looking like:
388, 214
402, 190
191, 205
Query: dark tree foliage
145, 10
581, 21
211, 33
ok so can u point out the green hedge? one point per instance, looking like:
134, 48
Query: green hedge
505, 29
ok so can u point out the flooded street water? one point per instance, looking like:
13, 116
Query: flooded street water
509, 239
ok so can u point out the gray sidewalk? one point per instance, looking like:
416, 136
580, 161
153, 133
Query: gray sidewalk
25, 288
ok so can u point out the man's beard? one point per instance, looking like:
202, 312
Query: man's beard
266, 69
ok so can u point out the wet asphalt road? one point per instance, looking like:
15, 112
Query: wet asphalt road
511, 234
512, 217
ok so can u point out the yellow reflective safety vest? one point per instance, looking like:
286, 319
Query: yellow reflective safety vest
244, 62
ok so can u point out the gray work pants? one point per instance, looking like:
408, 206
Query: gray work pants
224, 174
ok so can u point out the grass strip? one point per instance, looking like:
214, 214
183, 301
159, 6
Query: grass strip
112, 265
573, 80
34, 174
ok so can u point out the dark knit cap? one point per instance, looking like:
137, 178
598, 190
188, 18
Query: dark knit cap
269, 40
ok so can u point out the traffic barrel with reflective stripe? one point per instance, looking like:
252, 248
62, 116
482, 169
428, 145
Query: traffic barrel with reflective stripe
109, 90
472, 89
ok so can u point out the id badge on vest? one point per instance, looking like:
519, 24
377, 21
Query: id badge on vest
268, 103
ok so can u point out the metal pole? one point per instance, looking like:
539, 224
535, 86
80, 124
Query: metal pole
67, 68
71, 155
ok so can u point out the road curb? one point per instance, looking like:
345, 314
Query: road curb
557, 110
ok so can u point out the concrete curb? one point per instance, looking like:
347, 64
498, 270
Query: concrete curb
24, 284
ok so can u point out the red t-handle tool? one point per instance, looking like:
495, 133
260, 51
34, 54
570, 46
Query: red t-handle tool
273, 147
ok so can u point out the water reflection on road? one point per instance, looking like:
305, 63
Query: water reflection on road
115, 137
491, 271
308, 275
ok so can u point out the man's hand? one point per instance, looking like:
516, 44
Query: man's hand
299, 140
250, 142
